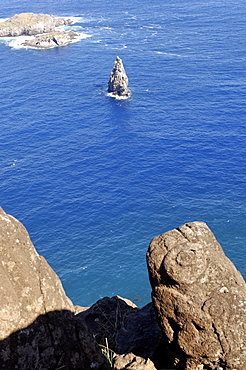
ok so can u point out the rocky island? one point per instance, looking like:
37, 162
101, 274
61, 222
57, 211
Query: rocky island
196, 319
118, 81
40, 30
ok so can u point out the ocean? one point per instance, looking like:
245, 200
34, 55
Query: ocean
94, 179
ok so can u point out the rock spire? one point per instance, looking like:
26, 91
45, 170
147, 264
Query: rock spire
118, 81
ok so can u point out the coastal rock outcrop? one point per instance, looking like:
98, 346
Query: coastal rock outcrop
40, 30
200, 300
38, 329
51, 40
118, 81
29, 24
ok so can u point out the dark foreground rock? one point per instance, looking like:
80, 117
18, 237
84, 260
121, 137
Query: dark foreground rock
118, 81
29, 24
126, 327
106, 317
140, 333
200, 300
37, 325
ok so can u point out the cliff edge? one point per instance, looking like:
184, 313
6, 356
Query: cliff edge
38, 329
196, 320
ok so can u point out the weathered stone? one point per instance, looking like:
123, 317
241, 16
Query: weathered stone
140, 333
37, 325
200, 300
106, 317
118, 81
29, 24
131, 362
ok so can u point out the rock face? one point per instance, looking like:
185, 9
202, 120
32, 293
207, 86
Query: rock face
29, 24
37, 325
118, 81
200, 300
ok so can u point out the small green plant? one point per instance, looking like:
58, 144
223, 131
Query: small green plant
108, 353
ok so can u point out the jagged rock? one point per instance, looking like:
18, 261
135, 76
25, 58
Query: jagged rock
131, 362
106, 317
200, 300
51, 40
31, 24
140, 333
37, 325
118, 81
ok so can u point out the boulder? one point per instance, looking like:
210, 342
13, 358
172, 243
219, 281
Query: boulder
200, 300
38, 329
118, 81
29, 24
131, 362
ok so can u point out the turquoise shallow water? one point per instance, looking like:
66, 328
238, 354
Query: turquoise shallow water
94, 179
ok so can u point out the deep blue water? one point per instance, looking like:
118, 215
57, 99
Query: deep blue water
94, 179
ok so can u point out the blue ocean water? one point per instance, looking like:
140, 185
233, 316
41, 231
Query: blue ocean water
94, 179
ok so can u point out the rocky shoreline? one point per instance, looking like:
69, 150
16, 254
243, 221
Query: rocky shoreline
196, 320
40, 29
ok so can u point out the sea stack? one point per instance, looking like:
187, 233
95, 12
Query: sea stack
118, 81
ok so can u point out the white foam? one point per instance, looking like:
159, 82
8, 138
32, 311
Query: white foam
3, 19
73, 19
17, 42
117, 97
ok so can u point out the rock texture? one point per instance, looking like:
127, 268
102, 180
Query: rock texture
118, 81
37, 325
200, 300
29, 24
131, 362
